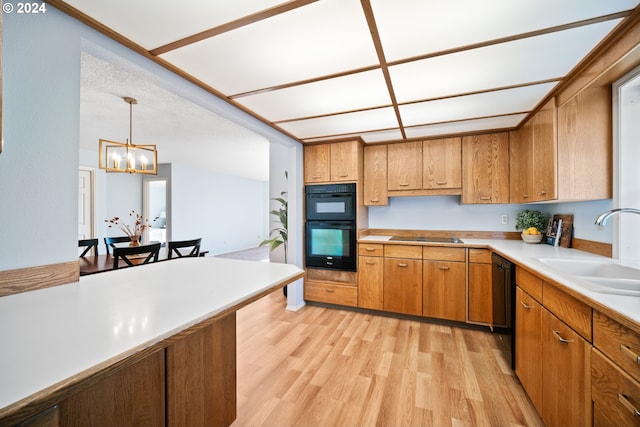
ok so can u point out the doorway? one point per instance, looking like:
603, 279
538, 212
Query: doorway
154, 207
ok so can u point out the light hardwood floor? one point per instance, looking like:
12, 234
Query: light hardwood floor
328, 367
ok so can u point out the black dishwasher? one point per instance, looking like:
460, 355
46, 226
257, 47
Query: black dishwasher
503, 283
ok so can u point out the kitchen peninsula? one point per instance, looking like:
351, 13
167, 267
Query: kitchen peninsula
152, 345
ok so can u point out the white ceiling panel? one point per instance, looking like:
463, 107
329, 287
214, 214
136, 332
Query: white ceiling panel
485, 104
341, 94
326, 37
153, 23
411, 28
549, 56
351, 123
453, 128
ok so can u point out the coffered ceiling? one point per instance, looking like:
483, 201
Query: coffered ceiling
382, 70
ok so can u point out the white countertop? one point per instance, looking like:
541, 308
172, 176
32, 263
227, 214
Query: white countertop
528, 255
53, 334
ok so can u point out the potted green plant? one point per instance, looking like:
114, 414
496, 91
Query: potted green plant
532, 224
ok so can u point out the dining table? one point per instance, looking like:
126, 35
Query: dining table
92, 264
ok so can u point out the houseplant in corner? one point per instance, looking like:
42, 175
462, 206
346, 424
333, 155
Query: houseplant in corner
531, 222
280, 233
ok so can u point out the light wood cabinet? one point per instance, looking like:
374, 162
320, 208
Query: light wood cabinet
370, 282
404, 166
317, 163
533, 158
402, 279
331, 292
585, 146
528, 331
375, 176
334, 162
615, 373
442, 164
566, 375
485, 168
488, 301
444, 283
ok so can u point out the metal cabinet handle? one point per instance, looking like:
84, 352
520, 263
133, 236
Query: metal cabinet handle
316, 176
525, 196
543, 193
526, 307
370, 263
403, 265
370, 249
485, 198
629, 353
374, 200
628, 405
441, 182
443, 268
404, 184
330, 290
343, 176
560, 339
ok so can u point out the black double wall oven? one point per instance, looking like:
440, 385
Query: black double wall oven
330, 227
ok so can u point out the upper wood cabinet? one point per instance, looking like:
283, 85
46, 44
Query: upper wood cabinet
585, 146
442, 163
533, 158
405, 166
375, 175
331, 162
485, 168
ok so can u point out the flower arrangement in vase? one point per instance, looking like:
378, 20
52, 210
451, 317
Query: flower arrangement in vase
134, 232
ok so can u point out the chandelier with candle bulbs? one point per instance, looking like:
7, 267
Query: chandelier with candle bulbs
127, 157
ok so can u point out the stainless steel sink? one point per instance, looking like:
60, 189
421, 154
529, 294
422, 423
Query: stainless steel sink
426, 239
599, 276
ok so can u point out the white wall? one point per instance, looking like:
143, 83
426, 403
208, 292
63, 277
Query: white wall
228, 213
447, 213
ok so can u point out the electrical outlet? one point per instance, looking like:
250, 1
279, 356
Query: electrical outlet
504, 219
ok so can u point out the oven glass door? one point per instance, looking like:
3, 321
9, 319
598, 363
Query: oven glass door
331, 244
338, 206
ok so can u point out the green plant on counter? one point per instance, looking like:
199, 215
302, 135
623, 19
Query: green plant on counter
280, 233
529, 218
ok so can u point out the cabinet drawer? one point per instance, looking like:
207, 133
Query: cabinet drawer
616, 396
331, 293
439, 253
529, 282
370, 249
403, 251
480, 256
618, 342
568, 309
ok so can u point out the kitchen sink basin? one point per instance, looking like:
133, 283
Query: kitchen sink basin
426, 239
601, 276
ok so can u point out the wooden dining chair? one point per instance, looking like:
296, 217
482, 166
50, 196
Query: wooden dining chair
135, 255
175, 246
109, 242
88, 244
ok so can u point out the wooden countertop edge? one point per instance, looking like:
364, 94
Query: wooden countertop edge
46, 398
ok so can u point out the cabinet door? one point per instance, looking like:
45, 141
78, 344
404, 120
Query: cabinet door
403, 286
344, 161
480, 290
528, 342
370, 276
444, 290
442, 163
485, 168
545, 154
405, 166
375, 176
521, 164
566, 375
316, 163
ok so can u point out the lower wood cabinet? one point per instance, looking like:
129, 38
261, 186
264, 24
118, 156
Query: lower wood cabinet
370, 282
403, 286
444, 290
528, 331
566, 375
